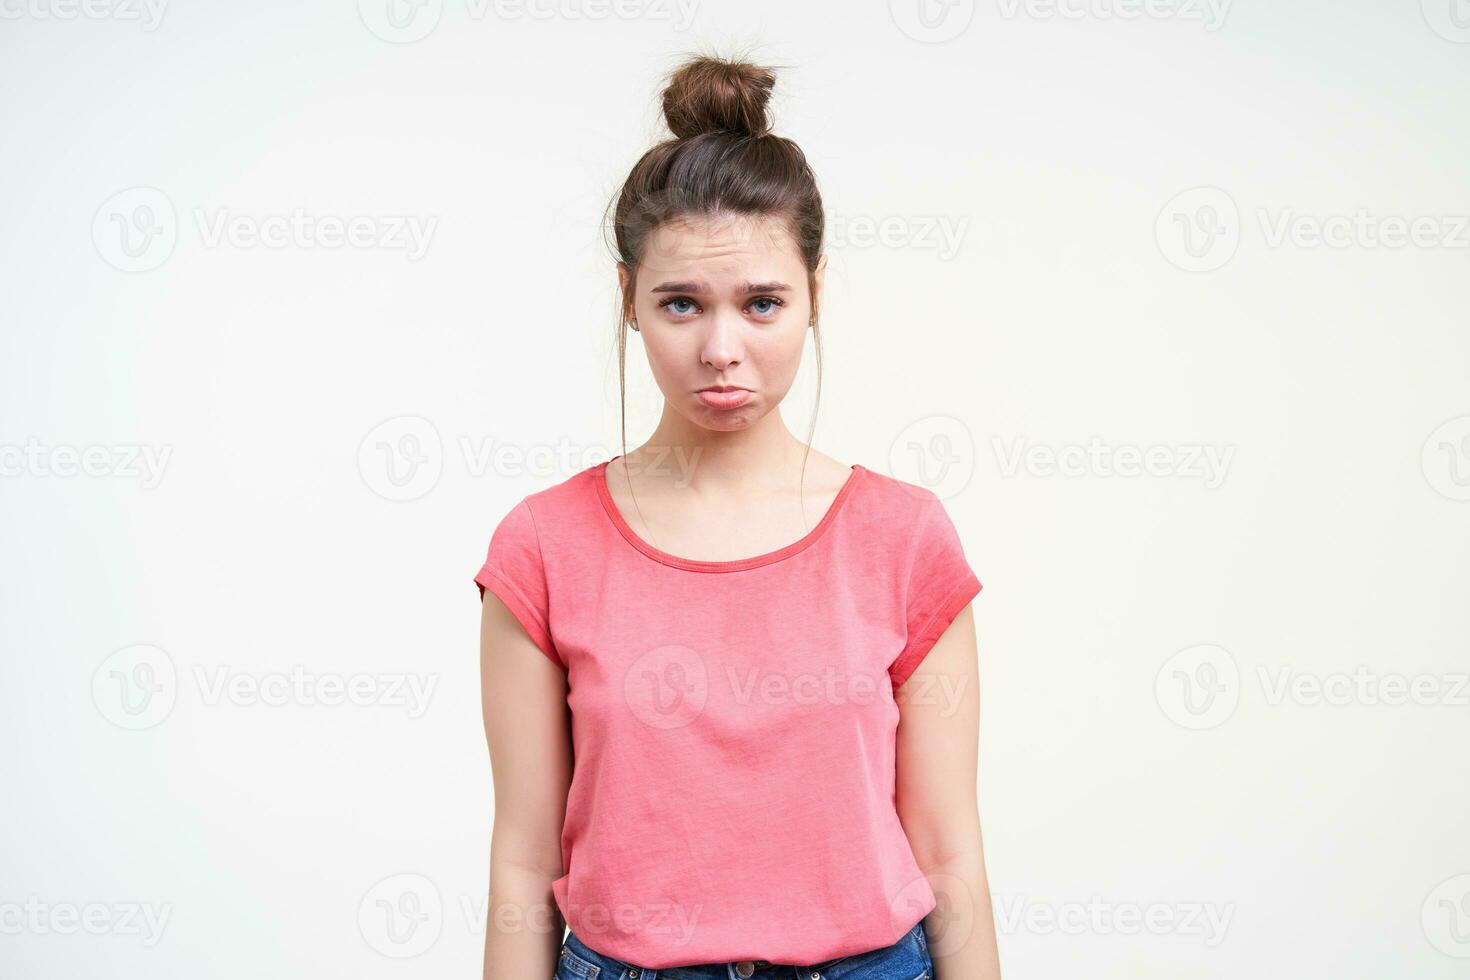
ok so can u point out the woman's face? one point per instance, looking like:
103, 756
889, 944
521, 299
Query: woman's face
722, 302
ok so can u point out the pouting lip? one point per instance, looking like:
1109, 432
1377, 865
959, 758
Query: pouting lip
723, 388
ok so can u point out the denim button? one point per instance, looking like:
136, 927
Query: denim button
745, 968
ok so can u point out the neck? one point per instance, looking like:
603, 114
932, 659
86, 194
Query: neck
765, 453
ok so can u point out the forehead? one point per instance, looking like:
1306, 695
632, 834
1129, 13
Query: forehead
719, 247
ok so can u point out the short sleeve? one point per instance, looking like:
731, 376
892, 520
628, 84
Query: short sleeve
515, 573
940, 584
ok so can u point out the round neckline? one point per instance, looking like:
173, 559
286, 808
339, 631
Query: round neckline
599, 479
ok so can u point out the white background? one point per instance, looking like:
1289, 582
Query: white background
1136, 749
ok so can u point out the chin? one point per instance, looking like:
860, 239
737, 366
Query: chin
728, 425
729, 420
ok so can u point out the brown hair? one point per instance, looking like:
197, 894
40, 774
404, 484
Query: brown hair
723, 159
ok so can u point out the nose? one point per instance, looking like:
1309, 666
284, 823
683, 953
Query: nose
722, 347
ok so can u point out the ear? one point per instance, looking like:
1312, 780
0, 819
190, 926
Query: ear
819, 277
625, 286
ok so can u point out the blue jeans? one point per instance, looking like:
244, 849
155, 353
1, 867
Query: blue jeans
907, 959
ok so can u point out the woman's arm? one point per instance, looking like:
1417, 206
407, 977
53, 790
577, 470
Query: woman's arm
938, 746
528, 731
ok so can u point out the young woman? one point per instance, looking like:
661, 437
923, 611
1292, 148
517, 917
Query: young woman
729, 684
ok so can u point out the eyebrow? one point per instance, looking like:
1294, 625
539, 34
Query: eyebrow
699, 287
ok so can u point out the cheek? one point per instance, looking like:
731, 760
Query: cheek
777, 354
671, 355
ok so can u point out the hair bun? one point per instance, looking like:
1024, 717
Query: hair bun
708, 95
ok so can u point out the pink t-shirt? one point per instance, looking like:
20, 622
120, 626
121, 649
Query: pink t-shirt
733, 721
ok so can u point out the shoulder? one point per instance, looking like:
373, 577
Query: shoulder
899, 501
564, 504
887, 522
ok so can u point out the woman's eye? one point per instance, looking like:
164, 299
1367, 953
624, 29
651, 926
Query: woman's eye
676, 304
682, 306
772, 302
